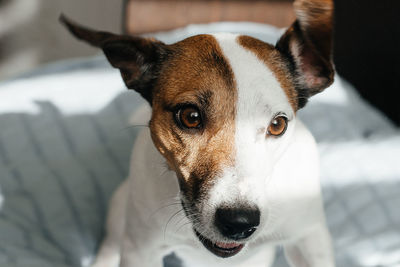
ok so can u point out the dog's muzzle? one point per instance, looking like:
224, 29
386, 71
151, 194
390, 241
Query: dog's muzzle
235, 225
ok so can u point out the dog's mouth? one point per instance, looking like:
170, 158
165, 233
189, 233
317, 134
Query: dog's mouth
223, 250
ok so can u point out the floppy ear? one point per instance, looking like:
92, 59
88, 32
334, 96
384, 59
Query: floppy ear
307, 44
138, 59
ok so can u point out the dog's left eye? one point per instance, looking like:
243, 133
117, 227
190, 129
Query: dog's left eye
189, 117
278, 126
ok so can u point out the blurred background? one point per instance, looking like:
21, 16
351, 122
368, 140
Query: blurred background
30, 34
366, 37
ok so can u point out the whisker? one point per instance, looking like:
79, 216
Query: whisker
169, 220
183, 225
182, 218
164, 207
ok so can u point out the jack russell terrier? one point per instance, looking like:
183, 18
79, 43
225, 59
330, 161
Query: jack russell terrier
224, 151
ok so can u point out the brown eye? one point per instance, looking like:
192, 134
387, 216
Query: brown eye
277, 126
189, 117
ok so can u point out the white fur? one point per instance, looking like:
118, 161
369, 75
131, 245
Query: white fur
278, 175
260, 97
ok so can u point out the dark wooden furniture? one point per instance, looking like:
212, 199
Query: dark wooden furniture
155, 15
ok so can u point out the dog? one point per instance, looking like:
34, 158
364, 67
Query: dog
224, 150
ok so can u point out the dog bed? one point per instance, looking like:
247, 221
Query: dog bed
65, 143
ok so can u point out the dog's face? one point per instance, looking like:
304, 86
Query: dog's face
223, 114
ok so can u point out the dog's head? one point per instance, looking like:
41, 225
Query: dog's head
223, 112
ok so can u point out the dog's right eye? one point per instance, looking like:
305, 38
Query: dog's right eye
189, 117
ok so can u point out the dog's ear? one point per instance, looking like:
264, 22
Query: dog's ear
308, 46
138, 59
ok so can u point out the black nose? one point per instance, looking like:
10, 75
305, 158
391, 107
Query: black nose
237, 224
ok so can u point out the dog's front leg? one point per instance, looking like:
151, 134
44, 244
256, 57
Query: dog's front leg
313, 250
139, 253
142, 242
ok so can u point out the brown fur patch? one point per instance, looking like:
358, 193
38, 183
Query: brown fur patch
195, 73
316, 21
276, 63
307, 44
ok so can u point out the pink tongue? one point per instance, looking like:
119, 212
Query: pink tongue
226, 245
